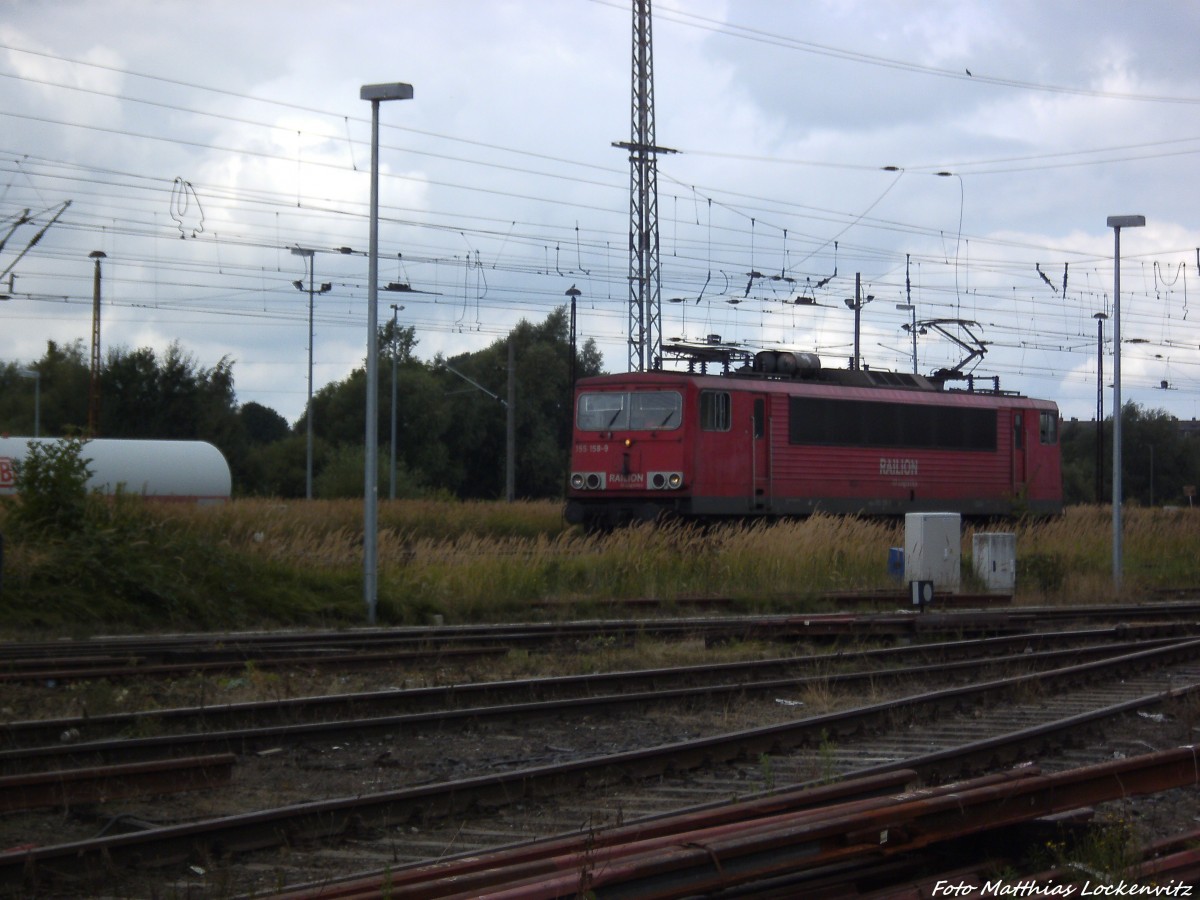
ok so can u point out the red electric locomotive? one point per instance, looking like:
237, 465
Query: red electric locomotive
784, 437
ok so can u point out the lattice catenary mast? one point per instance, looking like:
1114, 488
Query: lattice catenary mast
645, 285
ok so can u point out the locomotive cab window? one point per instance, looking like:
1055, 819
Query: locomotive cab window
655, 410
629, 411
714, 411
1049, 428
602, 412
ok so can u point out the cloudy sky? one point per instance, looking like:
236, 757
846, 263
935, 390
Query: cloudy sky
959, 156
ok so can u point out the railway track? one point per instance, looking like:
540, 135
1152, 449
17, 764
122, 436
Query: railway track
817, 843
663, 778
271, 726
118, 657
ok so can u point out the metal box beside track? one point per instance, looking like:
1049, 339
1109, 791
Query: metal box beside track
933, 549
995, 560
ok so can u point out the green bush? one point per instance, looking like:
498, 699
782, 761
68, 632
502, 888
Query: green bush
51, 487
88, 563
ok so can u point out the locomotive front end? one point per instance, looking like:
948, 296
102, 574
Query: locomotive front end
628, 453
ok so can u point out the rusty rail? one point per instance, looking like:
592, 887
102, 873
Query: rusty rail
304, 821
97, 785
719, 858
689, 855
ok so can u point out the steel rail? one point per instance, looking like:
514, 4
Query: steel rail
1170, 858
32, 731
470, 871
718, 858
477, 872
242, 645
344, 660
326, 818
931, 768
257, 739
99, 785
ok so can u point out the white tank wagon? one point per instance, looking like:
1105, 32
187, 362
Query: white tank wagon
185, 471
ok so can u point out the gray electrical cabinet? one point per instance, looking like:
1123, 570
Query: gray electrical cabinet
995, 557
933, 549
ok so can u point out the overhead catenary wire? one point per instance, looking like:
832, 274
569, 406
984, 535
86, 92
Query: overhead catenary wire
698, 255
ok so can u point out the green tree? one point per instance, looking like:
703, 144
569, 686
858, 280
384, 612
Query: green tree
143, 396
278, 469
262, 424
451, 425
1079, 468
175, 398
267, 463
1157, 459
62, 388
543, 409
172, 398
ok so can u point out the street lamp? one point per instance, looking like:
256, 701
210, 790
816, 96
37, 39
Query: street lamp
37, 398
376, 94
1116, 223
325, 288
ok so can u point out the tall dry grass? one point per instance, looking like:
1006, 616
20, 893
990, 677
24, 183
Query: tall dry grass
468, 560
477, 561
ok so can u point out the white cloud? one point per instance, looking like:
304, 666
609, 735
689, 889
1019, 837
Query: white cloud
501, 186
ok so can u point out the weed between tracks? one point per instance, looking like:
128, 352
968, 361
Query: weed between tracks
1103, 853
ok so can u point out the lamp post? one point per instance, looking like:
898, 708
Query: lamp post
93, 425
376, 94
1116, 223
325, 288
1099, 317
37, 398
396, 307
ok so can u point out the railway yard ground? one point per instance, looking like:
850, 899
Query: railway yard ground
870, 752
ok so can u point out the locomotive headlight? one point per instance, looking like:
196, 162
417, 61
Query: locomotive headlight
664, 481
577, 480
628, 442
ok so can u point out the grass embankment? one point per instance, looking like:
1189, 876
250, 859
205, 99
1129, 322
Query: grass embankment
255, 563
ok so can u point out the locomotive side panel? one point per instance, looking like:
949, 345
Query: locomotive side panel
1043, 494
783, 447
850, 454
730, 473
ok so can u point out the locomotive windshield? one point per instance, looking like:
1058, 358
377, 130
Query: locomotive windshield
629, 411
